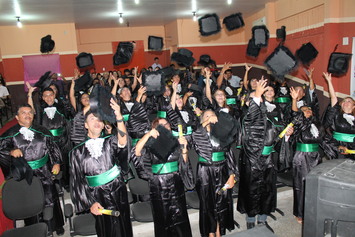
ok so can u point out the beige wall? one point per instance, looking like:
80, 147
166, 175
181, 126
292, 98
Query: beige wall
171, 35
27, 40
100, 40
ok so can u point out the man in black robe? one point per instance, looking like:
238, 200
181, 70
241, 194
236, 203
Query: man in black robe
97, 167
35, 144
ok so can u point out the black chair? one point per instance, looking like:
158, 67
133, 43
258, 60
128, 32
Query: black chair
141, 210
21, 201
83, 224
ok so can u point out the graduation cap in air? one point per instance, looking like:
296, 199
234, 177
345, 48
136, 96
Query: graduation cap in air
44, 81
205, 60
100, 103
154, 83
84, 60
183, 57
47, 44
84, 82
21, 170
339, 63
155, 43
209, 24
123, 53
164, 144
225, 129
281, 33
234, 21
260, 36
281, 62
252, 50
167, 72
306, 53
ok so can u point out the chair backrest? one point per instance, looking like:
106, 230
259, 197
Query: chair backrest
20, 200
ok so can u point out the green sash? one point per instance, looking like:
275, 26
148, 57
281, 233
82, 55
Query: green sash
36, 164
135, 141
216, 156
282, 100
57, 132
161, 114
165, 168
231, 101
267, 150
307, 147
188, 132
103, 178
125, 117
343, 137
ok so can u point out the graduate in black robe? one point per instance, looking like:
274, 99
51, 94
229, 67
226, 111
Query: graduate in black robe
167, 181
35, 144
97, 167
217, 169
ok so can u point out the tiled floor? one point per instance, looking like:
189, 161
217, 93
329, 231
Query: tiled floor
284, 226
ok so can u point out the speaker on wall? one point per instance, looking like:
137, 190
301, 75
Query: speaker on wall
209, 24
233, 21
339, 63
329, 199
155, 43
84, 60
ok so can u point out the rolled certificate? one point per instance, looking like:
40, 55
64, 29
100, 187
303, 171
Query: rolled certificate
110, 212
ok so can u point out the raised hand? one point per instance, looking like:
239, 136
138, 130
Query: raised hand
261, 86
294, 93
327, 76
247, 68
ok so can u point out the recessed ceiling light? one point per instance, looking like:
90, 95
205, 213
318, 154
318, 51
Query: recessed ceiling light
229, 2
121, 18
18, 23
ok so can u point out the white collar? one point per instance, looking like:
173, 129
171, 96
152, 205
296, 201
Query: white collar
94, 146
50, 111
349, 118
27, 133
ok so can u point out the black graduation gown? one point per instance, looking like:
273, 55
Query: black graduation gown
211, 177
167, 193
257, 188
303, 162
112, 195
41, 145
334, 121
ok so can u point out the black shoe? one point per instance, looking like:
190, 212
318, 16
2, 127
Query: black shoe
60, 231
266, 224
250, 225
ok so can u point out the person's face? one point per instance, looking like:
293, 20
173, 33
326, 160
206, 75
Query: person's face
126, 94
94, 125
165, 123
127, 81
307, 111
25, 116
85, 100
300, 92
176, 78
228, 74
179, 102
207, 115
167, 92
48, 97
121, 82
220, 96
270, 93
347, 105
127, 73
156, 60
253, 83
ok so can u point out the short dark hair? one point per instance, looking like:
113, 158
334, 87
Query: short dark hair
22, 106
91, 112
48, 89
228, 70
156, 58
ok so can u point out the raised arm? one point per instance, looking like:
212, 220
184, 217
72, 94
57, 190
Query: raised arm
310, 77
294, 94
245, 79
141, 92
208, 86
173, 96
152, 133
121, 128
135, 79
220, 78
328, 78
29, 95
115, 86
72, 91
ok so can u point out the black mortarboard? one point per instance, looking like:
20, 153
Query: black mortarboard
167, 72
225, 129
234, 21
281, 62
260, 36
205, 60
339, 63
252, 50
154, 83
195, 89
155, 43
183, 57
209, 24
47, 44
306, 53
123, 53
84, 82
100, 103
164, 144
281, 33
84, 60
21, 170
44, 81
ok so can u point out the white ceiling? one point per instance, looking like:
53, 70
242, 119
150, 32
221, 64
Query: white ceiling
104, 13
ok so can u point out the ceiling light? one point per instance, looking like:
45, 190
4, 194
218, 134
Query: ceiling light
194, 17
121, 18
229, 2
136, 1
19, 23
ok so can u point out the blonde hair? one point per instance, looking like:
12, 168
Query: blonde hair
342, 101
